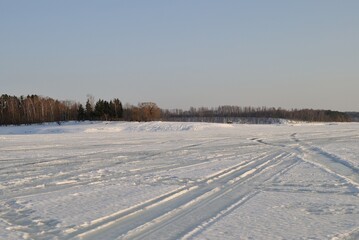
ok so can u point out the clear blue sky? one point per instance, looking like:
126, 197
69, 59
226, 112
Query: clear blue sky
290, 54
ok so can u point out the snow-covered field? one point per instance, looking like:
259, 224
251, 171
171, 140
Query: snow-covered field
179, 181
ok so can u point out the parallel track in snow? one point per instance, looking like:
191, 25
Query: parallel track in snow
328, 161
77, 168
177, 213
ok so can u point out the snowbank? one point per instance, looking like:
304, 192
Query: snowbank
113, 127
108, 127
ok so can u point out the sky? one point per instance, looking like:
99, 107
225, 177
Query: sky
183, 53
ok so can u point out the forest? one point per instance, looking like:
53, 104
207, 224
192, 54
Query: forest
253, 115
38, 109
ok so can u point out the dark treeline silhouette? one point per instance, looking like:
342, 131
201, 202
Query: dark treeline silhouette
113, 110
37, 109
354, 116
101, 110
253, 115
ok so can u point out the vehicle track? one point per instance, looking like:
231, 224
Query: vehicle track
328, 161
320, 158
76, 169
179, 212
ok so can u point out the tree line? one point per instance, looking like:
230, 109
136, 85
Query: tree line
236, 113
354, 116
101, 110
35, 109
113, 111
38, 109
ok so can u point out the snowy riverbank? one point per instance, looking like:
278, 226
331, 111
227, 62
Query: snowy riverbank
159, 180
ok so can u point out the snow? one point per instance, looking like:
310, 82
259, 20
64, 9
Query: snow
110, 127
160, 180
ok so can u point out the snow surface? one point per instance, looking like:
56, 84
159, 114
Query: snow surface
158, 180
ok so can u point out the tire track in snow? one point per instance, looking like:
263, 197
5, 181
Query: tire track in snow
32, 187
320, 158
179, 212
19, 163
85, 163
225, 212
328, 162
170, 195
220, 202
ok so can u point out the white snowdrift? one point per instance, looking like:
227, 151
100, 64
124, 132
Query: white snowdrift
108, 127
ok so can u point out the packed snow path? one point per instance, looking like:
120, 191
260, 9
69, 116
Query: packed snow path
179, 181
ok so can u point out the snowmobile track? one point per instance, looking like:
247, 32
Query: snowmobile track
173, 215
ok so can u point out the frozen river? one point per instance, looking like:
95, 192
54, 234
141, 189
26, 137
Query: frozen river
179, 181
